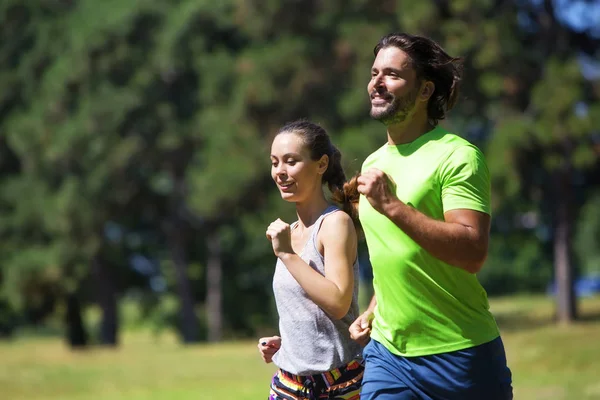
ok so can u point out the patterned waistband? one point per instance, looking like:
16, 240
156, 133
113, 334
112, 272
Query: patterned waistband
333, 379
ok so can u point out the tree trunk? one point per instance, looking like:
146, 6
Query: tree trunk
107, 300
188, 320
214, 289
76, 334
566, 311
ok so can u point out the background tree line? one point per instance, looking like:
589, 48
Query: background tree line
134, 141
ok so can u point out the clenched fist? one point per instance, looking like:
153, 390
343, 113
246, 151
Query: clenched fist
360, 330
279, 233
377, 187
268, 346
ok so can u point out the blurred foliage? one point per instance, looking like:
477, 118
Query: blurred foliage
131, 133
587, 236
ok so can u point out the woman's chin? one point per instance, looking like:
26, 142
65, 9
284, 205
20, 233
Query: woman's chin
289, 197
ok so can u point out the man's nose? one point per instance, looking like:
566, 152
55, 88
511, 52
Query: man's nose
378, 82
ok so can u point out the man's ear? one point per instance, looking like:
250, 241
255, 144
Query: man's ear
427, 89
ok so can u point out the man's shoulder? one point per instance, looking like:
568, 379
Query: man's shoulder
454, 147
374, 156
450, 140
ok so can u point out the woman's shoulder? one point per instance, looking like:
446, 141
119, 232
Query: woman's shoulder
337, 222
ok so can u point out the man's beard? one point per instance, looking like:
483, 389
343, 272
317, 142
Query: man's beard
398, 110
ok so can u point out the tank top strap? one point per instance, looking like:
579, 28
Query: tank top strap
317, 225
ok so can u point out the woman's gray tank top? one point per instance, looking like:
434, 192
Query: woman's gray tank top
311, 341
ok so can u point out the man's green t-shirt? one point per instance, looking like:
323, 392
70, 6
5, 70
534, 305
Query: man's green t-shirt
424, 305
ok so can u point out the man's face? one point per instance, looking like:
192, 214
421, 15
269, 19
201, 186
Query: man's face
393, 87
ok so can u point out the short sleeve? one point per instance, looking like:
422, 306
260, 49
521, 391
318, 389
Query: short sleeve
465, 181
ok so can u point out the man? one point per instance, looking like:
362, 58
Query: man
425, 210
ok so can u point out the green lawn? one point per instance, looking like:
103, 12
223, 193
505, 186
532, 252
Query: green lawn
548, 362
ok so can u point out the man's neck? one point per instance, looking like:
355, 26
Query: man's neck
408, 130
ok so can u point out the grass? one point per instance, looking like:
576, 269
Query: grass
144, 367
548, 362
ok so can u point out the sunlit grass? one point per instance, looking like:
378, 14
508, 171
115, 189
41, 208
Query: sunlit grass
144, 367
548, 362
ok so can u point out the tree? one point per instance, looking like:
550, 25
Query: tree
546, 129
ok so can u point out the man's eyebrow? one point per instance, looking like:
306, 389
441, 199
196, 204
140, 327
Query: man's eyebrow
387, 70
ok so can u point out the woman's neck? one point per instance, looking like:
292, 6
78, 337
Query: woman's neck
308, 212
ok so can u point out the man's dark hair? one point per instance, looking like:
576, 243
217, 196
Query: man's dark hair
433, 64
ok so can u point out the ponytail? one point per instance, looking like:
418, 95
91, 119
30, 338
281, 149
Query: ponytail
344, 194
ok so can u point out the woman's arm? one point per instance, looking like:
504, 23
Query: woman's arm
332, 292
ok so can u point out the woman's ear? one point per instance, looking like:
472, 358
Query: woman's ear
323, 163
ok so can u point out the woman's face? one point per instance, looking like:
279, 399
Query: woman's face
297, 176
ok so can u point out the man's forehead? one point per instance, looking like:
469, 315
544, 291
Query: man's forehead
392, 57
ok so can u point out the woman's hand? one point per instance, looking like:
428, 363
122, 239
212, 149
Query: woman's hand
279, 233
268, 346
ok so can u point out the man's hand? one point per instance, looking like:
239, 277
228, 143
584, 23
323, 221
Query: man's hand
378, 188
268, 346
360, 330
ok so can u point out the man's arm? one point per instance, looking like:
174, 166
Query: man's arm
460, 240
372, 304
360, 330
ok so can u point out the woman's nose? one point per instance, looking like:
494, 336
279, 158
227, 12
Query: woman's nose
280, 170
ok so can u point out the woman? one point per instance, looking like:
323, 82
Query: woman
316, 275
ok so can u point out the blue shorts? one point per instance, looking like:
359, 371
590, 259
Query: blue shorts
477, 373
